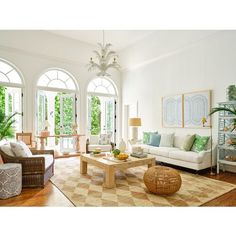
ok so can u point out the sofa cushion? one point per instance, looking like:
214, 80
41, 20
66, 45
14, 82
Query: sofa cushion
167, 140
188, 142
47, 157
104, 148
146, 136
200, 143
178, 140
161, 151
186, 156
7, 149
93, 139
20, 149
155, 140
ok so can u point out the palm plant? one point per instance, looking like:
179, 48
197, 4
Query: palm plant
232, 111
6, 125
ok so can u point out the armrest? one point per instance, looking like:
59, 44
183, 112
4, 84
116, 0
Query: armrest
32, 164
38, 152
87, 141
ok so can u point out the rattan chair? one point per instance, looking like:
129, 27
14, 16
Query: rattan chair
34, 173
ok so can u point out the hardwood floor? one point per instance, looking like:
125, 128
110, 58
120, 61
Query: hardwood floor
51, 196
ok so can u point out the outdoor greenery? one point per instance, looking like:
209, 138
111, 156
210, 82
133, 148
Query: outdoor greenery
2, 98
6, 125
95, 106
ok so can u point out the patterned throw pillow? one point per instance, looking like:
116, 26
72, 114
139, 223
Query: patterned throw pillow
147, 136
188, 142
20, 149
200, 143
104, 139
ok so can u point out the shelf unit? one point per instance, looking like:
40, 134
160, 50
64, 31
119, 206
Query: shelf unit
225, 120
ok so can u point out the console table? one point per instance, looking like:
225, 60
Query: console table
76, 136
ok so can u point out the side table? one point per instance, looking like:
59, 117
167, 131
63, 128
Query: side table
10, 180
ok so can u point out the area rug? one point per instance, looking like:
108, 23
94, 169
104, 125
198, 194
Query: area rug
87, 190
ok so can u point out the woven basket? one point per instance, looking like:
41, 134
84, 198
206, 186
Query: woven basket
162, 180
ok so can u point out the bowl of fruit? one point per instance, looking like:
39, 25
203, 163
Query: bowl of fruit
122, 156
116, 152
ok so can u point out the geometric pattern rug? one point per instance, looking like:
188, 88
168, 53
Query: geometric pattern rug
87, 190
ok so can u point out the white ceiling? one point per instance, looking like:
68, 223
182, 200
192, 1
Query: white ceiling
120, 39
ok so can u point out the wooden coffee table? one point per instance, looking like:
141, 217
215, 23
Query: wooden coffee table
110, 166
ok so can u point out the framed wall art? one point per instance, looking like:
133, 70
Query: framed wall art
172, 111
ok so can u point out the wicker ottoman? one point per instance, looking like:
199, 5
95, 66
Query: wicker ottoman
10, 180
162, 180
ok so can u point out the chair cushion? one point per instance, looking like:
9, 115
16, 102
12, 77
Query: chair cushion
47, 157
20, 149
104, 148
104, 139
186, 156
7, 149
93, 139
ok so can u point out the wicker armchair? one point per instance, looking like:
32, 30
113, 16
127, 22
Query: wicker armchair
34, 173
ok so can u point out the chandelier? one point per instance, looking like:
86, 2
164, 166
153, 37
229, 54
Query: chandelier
106, 59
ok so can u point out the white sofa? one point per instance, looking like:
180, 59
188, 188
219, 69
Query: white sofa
92, 143
174, 155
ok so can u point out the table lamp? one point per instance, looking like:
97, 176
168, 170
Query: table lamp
134, 123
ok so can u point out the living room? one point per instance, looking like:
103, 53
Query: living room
117, 118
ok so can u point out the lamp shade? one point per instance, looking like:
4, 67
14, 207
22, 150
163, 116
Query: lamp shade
135, 121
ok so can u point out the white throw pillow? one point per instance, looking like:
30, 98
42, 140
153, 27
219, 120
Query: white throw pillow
7, 149
104, 139
167, 140
20, 149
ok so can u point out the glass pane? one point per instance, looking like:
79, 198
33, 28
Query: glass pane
91, 87
62, 75
105, 83
3, 78
97, 82
70, 84
4, 67
101, 89
52, 74
14, 77
57, 84
111, 90
67, 114
43, 81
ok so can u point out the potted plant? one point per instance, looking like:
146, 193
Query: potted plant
232, 111
6, 125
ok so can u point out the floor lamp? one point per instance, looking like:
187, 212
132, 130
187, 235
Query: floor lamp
134, 123
204, 121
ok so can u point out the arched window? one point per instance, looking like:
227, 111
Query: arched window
101, 85
56, 106
57, 78
8, 74
102, 95
11, 92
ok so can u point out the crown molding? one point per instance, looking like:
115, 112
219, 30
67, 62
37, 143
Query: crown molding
39, 55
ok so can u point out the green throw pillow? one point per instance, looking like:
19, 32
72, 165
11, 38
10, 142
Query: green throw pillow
188, 142
146, 137
200, 143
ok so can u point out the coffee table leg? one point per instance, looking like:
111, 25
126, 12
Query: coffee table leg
83, 166
109, 178
152, 164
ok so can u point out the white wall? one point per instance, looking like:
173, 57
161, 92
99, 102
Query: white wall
188, 61
33, 52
